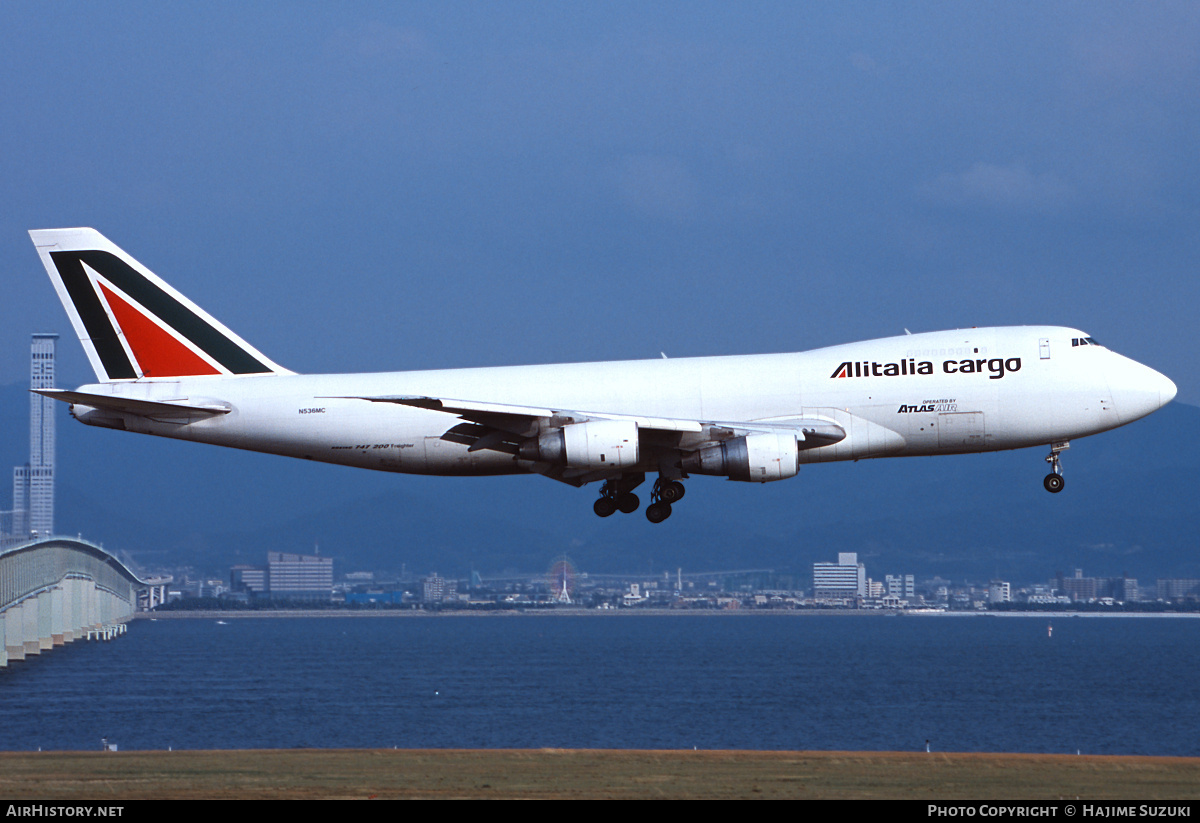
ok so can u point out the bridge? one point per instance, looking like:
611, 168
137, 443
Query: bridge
57, 590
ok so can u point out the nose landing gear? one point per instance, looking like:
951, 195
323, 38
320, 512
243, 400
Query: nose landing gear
1054, 481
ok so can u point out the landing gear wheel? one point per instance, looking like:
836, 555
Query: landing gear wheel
1054, 480
658, 512
617, 494
671, 492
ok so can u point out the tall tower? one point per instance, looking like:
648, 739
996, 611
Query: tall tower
33, 483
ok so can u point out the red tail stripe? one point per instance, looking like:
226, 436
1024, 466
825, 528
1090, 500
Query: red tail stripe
158, 353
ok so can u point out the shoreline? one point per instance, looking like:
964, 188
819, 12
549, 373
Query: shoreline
516, 613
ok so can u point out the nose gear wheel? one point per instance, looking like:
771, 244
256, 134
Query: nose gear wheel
1054, 481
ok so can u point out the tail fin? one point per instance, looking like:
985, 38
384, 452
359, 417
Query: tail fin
133, 325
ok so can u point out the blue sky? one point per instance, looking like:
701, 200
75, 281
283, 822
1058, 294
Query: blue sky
386, 186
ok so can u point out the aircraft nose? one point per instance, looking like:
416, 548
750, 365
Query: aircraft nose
1139, 390
1166, 389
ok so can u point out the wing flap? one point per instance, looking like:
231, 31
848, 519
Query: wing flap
505, 425
487, 413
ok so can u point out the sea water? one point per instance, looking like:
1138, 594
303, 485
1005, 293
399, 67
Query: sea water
676, 681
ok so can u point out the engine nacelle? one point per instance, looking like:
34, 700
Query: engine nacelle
757, 458
596, 444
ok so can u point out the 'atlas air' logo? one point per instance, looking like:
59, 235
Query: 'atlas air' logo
995, 367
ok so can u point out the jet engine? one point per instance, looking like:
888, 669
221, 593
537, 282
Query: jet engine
758, 458
596, 444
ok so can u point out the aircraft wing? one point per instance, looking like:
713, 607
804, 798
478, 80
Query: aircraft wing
519, 417
503, 427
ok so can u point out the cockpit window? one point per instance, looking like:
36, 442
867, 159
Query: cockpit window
1084, 341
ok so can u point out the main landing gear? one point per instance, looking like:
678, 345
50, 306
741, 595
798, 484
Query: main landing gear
665, 493
625, 503
616, 495
1054, 480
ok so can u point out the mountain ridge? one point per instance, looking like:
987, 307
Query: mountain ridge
1125, 509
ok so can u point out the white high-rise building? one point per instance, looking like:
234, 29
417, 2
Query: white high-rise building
902, 586
846, 578
33, 483
999, 591
299, 576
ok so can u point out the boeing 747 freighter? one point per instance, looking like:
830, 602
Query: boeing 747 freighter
166, 367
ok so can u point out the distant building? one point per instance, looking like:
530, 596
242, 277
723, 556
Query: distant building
1082, 589
846, 578
249, 579
999, 591
433, 588
391, 598
1125, 589
1178, 588
1048, 599
33, 483
1079, 588
634, 597
286, 577
902, 586
18, 520
299, 576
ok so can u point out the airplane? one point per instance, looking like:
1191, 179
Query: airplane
166, 367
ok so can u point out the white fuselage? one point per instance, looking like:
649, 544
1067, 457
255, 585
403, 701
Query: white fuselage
934, 393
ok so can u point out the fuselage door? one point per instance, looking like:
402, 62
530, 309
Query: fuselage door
1044, 348
961, 430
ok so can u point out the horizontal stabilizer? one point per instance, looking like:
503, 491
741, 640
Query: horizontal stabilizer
129, 405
